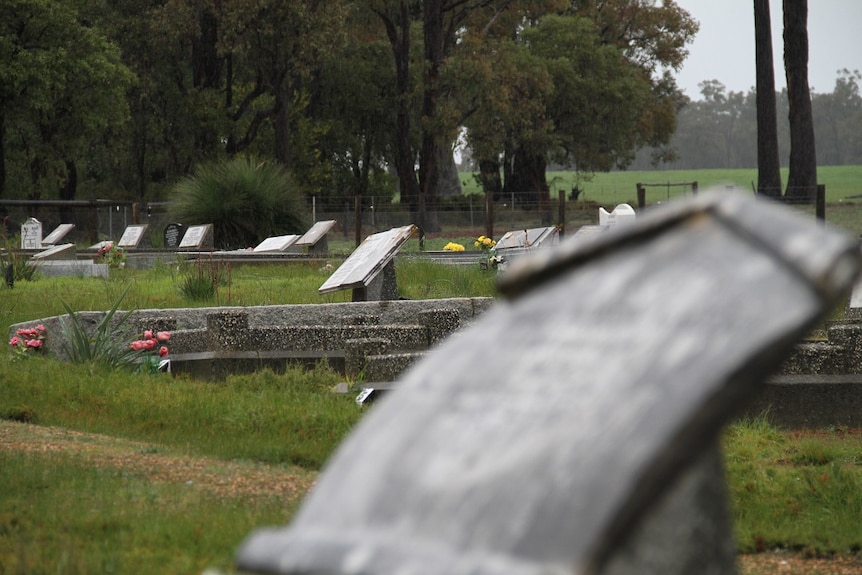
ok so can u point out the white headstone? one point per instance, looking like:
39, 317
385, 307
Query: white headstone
31, 235
622, 214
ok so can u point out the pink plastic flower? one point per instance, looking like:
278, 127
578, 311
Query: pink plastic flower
138, 345
14, 341
163, 336
148, 334
34, 343
150, 344
163, 351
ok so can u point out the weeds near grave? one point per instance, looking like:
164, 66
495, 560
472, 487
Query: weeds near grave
105, 344
15, 266
201, 279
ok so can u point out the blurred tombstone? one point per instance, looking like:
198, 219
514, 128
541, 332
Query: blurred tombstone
590, 444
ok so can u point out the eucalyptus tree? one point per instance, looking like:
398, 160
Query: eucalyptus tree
62, 88
606, 91
768, 163
802, 175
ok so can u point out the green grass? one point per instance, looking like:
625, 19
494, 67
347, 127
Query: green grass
59, 515
794, 493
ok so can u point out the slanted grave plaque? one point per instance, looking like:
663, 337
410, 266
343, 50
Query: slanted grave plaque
58, 234
315, 238
31, 234
132, 236
58, 252
172, 236
275, 244
529, 239
197, 238
363, 266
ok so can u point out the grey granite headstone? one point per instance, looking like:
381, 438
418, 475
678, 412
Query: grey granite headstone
31, 234
589, 445
58, 234
361, 268
132, 236
197, 238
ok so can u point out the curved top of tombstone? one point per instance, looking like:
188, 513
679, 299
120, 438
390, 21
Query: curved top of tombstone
626, 356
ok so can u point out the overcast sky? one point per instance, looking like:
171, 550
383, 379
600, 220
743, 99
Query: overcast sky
723, 49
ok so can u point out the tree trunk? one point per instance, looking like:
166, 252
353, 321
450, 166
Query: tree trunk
281, 123
529, 183
449, 183
2, 155
429, 168
489, 178
768, 163
802, 177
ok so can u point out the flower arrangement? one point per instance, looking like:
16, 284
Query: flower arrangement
484, 243
27, 341
112, 255
153, 350
453, 247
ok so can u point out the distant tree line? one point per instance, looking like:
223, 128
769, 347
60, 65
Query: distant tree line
720, 129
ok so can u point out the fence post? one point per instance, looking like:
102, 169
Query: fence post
489, 214
641, 196
820, 208
561, 197
358, 214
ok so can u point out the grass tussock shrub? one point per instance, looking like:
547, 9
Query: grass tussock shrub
245, 199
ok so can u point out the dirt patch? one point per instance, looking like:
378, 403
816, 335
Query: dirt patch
159, 464
252, 480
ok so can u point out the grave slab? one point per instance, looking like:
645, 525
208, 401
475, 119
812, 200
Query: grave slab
576, 448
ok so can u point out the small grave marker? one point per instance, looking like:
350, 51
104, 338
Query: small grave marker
363, 266
132, 236
58, 234
622, 214
198, 238
173, 234
31, 235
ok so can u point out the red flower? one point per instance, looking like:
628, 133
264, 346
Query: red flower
163, 336
163, 351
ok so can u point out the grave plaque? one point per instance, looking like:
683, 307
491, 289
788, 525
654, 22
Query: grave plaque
315, 233
58, 252
527, 239
58, 234
172, 235
554, 455
197, 238
31, 235
368, 260
275, 244
132, 236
